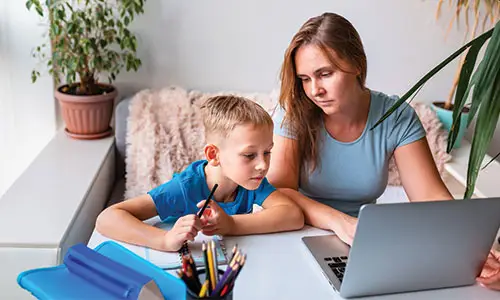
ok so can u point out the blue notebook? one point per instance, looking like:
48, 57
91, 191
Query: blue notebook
108, 272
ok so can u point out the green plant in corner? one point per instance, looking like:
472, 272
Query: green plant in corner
483, 84
88, 38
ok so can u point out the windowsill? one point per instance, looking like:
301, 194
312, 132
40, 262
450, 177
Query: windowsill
487, 180
45, 200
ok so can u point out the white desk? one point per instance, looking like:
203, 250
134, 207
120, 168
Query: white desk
279, 267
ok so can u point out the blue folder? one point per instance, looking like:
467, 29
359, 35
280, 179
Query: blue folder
110, 271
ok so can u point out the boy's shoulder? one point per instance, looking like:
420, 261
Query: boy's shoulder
194, 170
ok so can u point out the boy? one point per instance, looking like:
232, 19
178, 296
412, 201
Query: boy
239, 135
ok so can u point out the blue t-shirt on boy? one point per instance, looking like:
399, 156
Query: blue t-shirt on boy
179, 196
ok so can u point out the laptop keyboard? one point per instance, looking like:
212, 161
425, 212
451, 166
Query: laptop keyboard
337, 264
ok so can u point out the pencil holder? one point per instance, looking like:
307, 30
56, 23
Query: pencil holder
202, 275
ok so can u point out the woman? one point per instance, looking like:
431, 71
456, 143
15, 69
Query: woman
325, 156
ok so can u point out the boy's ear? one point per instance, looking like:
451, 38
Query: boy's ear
212, 154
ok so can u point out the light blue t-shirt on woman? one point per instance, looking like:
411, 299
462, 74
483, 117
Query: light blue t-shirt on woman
356, 173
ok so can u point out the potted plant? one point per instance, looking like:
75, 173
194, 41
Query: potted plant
484, 11
484, 101
88, 38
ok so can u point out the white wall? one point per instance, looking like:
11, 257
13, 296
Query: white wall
238, 45
219, 45
27, 111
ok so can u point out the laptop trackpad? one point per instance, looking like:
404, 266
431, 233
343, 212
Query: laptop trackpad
326, 246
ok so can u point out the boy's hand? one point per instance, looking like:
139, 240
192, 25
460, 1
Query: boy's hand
215, 220
185, 229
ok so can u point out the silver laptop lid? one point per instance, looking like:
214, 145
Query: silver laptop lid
415, 246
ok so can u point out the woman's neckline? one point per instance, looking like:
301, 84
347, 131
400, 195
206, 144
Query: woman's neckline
367, 124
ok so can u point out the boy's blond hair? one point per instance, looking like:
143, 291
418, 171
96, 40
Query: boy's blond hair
221, 114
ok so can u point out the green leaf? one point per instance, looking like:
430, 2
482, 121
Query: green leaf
29, 3
463, 82
491, 160
429, 75
61, 14
39, 10
33, 76
487, 88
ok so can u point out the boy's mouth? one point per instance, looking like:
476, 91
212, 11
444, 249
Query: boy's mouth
257, 178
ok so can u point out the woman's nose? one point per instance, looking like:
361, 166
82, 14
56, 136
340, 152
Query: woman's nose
316, 88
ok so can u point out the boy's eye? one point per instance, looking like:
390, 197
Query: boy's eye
249, 156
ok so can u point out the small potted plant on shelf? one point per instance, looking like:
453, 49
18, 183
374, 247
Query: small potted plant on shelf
483, 13
88, 38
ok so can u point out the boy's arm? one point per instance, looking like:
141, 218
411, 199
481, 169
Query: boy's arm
279, 214
124, 222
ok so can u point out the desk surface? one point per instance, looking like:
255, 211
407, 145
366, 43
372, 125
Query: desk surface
279, 267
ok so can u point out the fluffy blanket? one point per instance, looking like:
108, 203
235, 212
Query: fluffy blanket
165, 134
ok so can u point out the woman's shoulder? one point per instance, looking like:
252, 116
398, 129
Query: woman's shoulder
385, 101
381, 103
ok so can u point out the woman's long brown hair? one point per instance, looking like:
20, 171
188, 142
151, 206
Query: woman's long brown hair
302, 117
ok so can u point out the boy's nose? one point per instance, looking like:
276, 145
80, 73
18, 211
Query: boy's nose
262, 164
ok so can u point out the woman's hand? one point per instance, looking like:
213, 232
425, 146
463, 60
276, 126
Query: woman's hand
215, 220
185, 229
346, 228
490, 275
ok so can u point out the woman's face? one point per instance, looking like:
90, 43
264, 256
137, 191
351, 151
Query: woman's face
326, 85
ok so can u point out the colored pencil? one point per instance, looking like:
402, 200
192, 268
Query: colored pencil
216, 263
210, 270
204, 289
200, 213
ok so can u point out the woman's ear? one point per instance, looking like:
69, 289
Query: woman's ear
212, 154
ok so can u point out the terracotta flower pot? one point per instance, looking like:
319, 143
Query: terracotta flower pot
87, 117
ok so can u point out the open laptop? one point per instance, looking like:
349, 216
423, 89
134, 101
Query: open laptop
403, 247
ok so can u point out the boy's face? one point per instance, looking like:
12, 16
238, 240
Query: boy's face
245, 154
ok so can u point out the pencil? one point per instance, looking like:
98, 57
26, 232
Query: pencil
187, 281
223, 280
235, 257
195, 271
204, 289
216, 263
210, 270
227, 281
242, 263
200, 213
235, 247
224, 291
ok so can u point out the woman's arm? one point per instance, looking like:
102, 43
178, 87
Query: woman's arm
418, 172
284, 175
